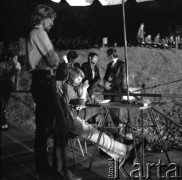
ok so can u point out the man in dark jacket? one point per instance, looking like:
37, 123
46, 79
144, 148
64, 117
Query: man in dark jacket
68, 64
115, 81
91, 71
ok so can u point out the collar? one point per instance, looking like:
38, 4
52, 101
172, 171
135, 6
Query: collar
39, 26
114, 60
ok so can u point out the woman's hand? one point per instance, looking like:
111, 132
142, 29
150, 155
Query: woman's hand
107, 85
86, 84
100, 120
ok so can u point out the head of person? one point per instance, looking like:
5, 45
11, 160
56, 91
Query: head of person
76, 76
72, 56
43, 15
93, 58
11, 52
142, 25
112, 53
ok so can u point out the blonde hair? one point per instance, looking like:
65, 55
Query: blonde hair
40, 13
75, 72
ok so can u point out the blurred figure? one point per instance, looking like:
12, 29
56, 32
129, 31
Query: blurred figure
157, 41
141, 35
179, 40
91, 71
171, 41
9, 77
164, 44
148, 41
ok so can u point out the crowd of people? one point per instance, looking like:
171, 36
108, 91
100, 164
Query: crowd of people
146, 40
56, 84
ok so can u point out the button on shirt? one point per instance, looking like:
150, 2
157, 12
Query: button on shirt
41, 53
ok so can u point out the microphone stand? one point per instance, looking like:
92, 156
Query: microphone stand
157, 85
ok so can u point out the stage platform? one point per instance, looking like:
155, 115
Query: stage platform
17, 159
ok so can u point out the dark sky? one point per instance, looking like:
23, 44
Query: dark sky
93, 21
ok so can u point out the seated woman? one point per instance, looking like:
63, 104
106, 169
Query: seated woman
74, 89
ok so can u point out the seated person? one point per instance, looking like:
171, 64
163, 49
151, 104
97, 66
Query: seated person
67, 65
148, 41
157, 41
91, 71
74, 89
171, 41
164, 44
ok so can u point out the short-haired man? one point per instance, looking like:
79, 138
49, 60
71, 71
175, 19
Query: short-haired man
115, 81
91, 71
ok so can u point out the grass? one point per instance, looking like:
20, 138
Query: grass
151, 67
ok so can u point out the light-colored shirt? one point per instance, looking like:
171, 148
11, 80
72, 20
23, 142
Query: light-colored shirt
41, 53
93, 70
114, 61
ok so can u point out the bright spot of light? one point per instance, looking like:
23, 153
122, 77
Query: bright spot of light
56, 1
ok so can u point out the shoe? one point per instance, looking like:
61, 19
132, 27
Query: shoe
5, 127
132, 156
70, 176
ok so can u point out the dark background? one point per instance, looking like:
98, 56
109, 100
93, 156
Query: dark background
95, 21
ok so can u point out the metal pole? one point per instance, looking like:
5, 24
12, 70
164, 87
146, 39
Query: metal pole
125, 47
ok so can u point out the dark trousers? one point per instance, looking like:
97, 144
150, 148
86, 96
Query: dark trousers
115, 113
6, 88
48, 113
